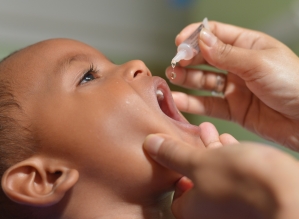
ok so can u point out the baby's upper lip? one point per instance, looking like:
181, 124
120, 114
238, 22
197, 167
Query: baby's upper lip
167, 104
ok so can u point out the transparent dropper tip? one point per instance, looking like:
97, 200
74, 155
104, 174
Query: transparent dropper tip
179, 56
206, 23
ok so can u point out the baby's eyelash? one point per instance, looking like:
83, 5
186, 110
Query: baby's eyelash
92, 70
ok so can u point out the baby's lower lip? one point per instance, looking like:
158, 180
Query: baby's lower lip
187, 127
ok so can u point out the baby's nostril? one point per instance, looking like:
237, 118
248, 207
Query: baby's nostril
137, 72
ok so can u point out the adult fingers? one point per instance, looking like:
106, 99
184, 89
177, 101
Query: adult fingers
183, 185
227, 57
230, 48
202, 105
171, 153
227, 33
227, 139
209, 135
197, 79
211, 138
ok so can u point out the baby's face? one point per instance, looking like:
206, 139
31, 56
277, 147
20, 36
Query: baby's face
96, 114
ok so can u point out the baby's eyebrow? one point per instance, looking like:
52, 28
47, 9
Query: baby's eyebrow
78, 57
65, 62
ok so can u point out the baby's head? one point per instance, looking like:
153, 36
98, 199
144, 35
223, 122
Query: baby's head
72, 125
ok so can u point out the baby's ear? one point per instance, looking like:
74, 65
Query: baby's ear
38, 181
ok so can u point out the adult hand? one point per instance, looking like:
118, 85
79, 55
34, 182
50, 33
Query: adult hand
260, 89
245, 181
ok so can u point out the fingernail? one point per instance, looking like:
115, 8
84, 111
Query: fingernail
208, 37
178, 71
152, 144
167, 73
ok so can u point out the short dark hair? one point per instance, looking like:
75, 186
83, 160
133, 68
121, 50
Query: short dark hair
16, 141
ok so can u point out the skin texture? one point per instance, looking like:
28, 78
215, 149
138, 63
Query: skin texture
261, 90
90, 126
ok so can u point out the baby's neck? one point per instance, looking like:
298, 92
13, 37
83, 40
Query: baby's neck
159, 208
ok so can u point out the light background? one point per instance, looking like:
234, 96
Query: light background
142, 29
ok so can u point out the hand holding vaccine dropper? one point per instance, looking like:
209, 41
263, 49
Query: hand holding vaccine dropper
189, 48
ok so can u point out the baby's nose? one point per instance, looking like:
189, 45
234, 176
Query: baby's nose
135, 69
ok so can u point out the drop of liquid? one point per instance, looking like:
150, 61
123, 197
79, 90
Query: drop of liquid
173, 74
173, 64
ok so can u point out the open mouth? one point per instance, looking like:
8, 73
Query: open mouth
166, 103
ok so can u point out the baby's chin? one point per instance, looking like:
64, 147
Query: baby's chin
162, 177
168, 181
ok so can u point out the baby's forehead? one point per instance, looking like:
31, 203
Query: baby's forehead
38, 62
53, 51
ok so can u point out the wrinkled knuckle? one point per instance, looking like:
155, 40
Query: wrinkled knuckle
224, 50
208, 103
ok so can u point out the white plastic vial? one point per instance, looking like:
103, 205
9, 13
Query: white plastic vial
189, 48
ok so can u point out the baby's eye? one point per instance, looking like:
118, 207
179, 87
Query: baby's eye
89, 75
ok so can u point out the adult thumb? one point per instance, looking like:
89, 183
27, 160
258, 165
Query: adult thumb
171, 153
227, 57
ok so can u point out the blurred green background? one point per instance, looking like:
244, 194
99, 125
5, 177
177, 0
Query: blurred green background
144, 29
